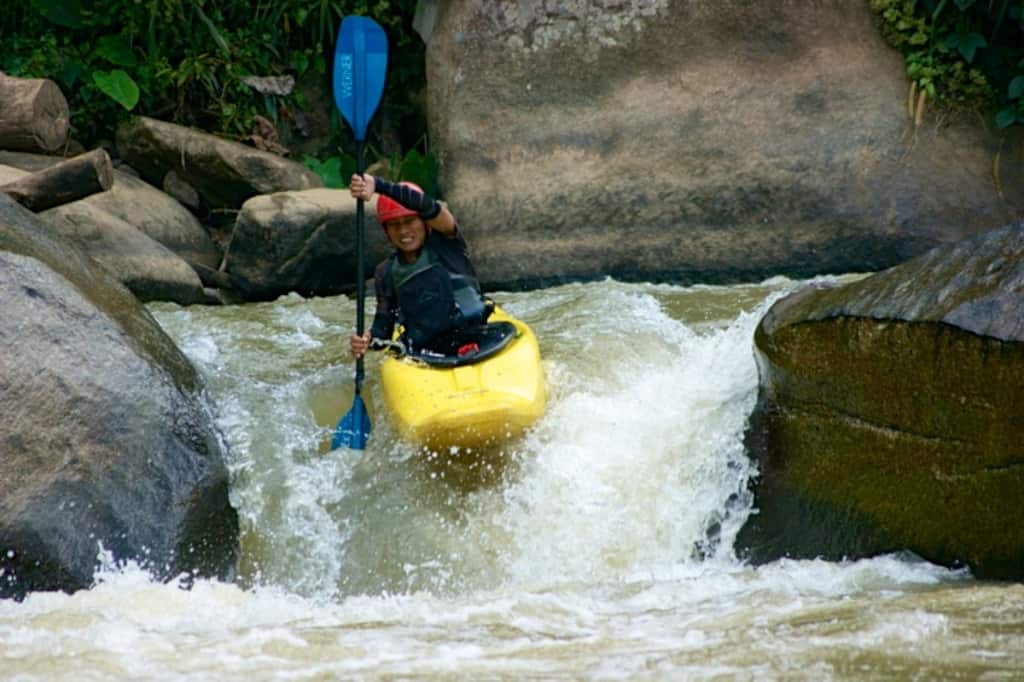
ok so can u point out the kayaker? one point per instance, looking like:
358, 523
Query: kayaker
428, 285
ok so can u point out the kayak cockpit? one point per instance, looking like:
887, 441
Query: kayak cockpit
468, 346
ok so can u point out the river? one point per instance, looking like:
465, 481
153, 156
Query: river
598, 546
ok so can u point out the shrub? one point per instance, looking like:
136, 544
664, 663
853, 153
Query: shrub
961, 53
187, 61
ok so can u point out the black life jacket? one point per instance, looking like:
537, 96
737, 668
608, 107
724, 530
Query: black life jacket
432, 300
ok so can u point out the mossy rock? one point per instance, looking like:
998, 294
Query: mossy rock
891, 413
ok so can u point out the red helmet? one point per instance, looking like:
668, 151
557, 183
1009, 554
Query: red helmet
389, 209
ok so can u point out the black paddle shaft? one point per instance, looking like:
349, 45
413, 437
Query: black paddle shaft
360, 65
360, 266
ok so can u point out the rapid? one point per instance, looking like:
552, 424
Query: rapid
600, 545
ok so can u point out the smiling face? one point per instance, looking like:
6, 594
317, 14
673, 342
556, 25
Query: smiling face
407, 234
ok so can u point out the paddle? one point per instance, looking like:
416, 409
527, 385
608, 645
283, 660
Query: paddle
360, 65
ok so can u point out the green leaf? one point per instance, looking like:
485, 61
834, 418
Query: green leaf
421, 169
70, 73
334, 172
116, 50
966, 43
964, 4
67, 13
300, 62
329, 170
1006, 117
119, 86
214, 33
348, 167
1016, 88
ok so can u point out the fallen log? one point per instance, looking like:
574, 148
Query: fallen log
64, 182
34, 115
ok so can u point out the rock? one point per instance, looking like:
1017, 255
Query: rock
160, 217
891, 413
184, 193
143, 206
299, 241
8, 174
106, 437
150, 270
701, 149
224, 173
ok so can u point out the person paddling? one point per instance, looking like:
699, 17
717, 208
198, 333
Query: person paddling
429, 284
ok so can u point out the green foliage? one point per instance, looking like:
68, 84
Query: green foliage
413, 166
67, 13
184, 60
118, 86
421, 169
961, 53
335, 171
1013, 112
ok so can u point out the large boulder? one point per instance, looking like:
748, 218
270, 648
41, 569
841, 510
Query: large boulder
299, 241
106, 442
705, 140
891, 413
224, 173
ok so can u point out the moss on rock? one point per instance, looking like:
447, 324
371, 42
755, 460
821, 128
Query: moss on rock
891, 414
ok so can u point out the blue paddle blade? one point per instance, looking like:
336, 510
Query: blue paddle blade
360, 65
354, 428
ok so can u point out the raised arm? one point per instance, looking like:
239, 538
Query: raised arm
434, 214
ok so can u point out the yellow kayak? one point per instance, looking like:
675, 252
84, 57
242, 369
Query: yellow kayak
470, 401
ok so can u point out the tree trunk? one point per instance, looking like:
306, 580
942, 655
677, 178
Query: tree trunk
34, 115
64, 182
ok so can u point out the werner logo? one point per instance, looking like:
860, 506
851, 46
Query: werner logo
345, 83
